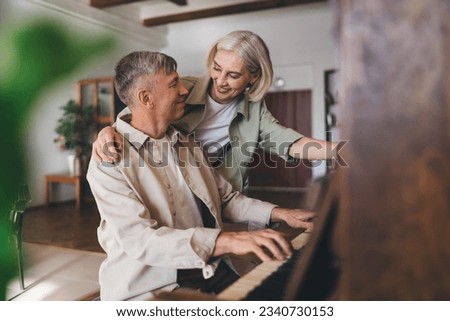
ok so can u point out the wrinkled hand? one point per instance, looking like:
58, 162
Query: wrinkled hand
295, 218
107, 146
266, 244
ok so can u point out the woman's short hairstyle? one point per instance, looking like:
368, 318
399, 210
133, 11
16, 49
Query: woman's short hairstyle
131, 68
255, 55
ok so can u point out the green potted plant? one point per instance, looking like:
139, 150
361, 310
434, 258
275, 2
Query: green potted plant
75, 130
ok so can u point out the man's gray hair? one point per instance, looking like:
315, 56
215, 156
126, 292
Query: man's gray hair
137, 64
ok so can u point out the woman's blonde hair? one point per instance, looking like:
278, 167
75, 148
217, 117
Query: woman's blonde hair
255, 55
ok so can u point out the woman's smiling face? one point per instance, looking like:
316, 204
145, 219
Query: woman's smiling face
230, 76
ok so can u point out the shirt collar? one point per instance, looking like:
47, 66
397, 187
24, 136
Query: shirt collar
242, 106
199, 92
137, 138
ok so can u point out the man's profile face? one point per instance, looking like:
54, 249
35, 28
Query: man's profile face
169, 96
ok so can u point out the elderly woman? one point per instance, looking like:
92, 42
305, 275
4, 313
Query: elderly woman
227, 114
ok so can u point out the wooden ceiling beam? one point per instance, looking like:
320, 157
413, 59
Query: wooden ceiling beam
223, 10
109, 3
179, 2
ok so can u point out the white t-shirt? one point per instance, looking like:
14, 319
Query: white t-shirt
212, 133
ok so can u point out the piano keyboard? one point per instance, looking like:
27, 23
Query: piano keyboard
241, 289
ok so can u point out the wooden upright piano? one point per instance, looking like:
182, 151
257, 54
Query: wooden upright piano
383, 225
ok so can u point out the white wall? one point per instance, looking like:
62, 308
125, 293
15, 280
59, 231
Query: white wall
298, 37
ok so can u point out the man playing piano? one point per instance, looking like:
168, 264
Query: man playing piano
162, 206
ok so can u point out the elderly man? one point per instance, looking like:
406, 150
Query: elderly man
162, 205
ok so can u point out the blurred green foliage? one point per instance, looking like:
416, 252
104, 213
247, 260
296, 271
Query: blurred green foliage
32, 57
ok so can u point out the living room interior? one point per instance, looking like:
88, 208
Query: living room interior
398, 223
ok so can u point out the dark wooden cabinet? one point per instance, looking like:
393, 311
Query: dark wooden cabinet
293, 110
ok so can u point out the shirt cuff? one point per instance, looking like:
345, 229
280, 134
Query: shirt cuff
203, 243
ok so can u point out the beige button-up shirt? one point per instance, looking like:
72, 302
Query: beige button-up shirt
139, 214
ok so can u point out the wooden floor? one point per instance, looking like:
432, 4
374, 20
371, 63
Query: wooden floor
65, 226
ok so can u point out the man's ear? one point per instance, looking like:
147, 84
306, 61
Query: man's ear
145, 98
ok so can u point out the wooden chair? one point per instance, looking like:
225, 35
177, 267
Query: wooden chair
16, 220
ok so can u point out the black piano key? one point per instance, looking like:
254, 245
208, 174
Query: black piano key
273, 287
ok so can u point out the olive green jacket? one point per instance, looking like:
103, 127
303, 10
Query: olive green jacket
252, 126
